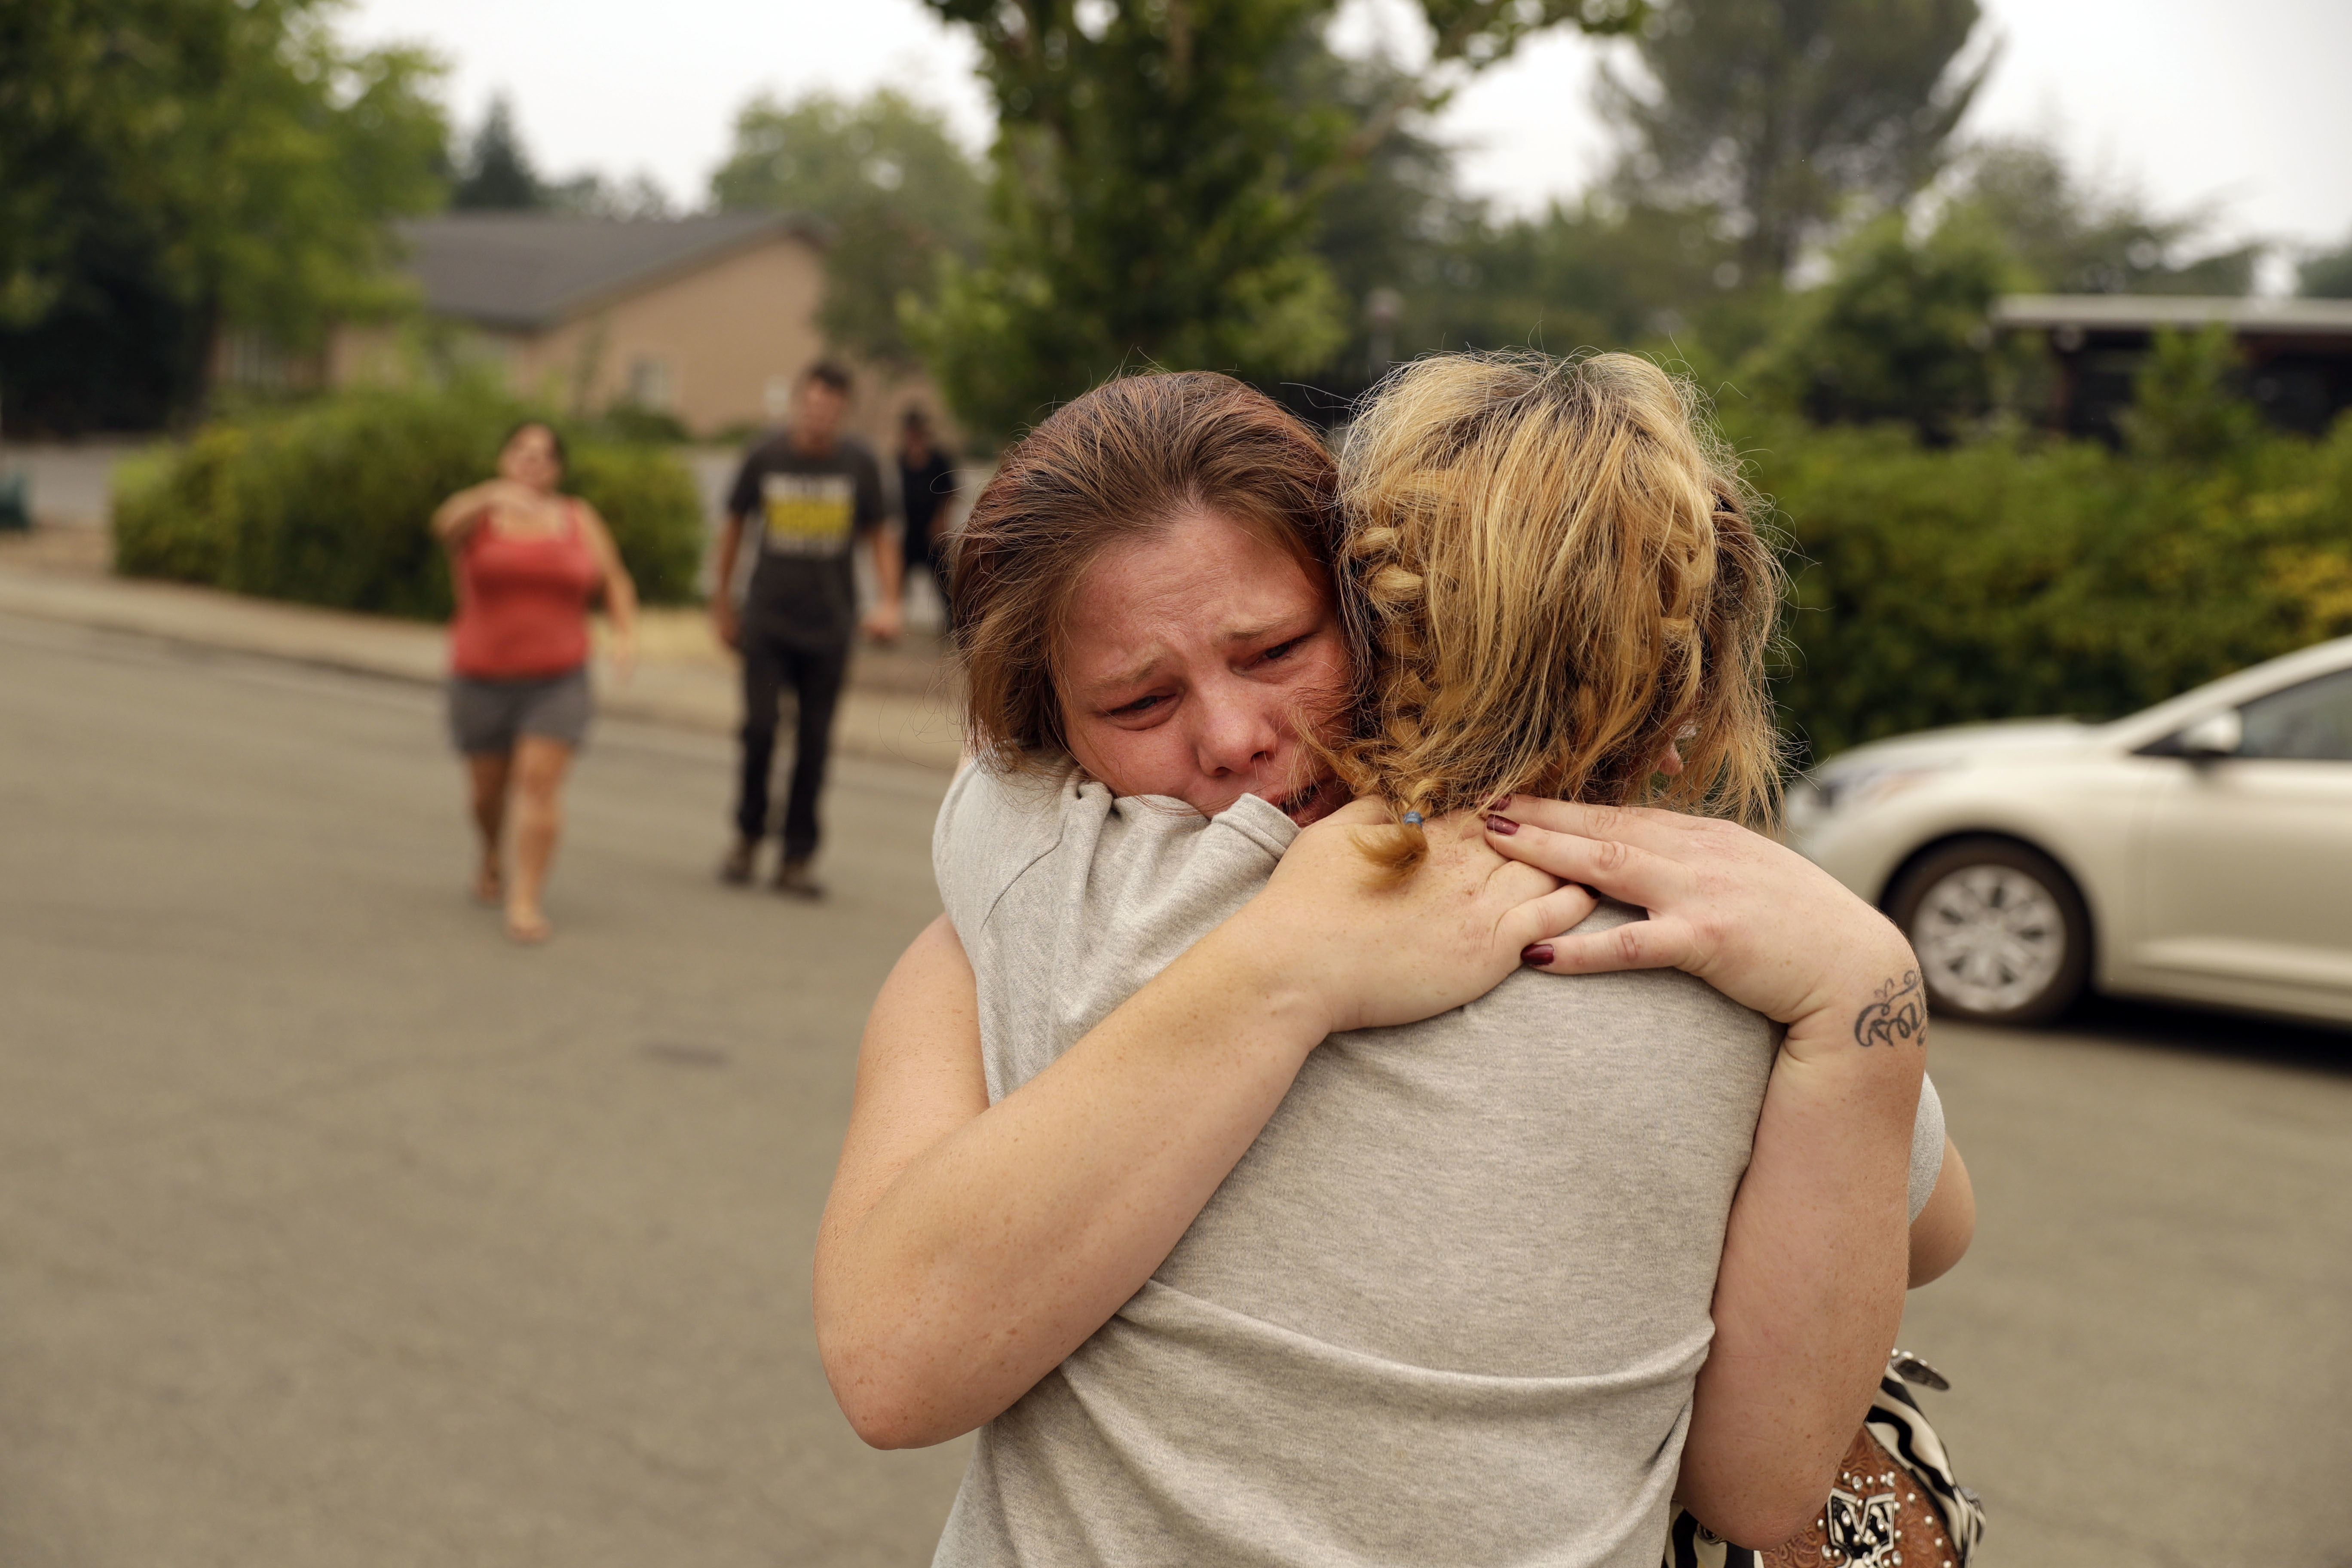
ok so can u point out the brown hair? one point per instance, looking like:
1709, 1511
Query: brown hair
1119, 463
1549, 572
828, 372
554, 438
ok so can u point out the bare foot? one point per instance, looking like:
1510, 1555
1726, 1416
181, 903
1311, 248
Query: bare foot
526, 925
489, 885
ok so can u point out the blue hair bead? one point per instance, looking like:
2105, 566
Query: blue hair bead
1412, 819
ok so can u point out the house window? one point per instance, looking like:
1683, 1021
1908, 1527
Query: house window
250, 360
650, 386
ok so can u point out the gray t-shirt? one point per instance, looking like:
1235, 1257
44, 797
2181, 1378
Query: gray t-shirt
1446, 1310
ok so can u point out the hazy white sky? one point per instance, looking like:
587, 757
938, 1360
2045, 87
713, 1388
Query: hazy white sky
2238, 103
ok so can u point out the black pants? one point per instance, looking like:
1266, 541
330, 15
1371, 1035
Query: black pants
770, 664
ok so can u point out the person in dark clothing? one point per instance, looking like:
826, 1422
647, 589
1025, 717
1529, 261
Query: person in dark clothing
926, 484
810, 492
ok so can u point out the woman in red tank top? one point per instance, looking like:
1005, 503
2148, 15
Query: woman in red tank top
528, 560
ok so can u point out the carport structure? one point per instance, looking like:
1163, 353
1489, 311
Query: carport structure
2298, 352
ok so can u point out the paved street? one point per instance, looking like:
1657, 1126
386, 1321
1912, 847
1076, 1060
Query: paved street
2151, 1343
336, 1231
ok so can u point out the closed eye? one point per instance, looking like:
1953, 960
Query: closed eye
1140, 705
1284, 650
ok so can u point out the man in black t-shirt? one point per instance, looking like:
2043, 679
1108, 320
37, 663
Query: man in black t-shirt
811, 493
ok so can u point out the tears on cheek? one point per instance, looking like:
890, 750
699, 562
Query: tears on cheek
1130, 760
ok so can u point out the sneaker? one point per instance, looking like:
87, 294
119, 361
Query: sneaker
736, 869
792, 879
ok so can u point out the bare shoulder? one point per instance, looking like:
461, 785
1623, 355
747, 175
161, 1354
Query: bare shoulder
591, 518
991, 826
600, 532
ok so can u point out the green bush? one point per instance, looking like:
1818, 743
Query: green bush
167, 504
649, 502
2016, 577
2190, 405
328, 503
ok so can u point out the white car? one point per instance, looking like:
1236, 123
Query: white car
2200, 850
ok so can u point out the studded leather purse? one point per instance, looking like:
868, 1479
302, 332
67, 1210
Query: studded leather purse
1895, 1502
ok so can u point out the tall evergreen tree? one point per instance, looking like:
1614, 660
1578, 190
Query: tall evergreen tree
1777, 112
496, 173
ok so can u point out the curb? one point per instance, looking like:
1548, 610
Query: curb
880, 726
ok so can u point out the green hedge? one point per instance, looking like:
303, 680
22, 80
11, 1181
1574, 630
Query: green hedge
328, 503
2018, 576
2006, 578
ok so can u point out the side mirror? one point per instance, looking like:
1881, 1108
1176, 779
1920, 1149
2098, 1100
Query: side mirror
2215, 735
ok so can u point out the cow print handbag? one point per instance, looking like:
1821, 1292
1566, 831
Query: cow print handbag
1895, 1503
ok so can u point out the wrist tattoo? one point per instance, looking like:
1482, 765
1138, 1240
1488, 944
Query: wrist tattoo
1900, 1012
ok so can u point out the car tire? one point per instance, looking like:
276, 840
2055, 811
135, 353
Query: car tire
2001, 932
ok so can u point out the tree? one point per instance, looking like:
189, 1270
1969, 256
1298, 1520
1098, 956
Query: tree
496, 173
2189, 401
889, 178
2326, 275
2073, 238
1778, 113
1593, 273
825, 155
1899, 332
1156, 188
171, 167
1393, 228
589, 195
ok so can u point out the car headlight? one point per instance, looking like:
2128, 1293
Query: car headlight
1843, 789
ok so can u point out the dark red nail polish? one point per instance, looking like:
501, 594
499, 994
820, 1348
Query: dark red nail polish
1502, 824
1539, 952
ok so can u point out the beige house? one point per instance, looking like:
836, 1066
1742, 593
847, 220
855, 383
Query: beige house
711, 320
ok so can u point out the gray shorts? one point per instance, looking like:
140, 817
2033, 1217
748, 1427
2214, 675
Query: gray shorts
488, 716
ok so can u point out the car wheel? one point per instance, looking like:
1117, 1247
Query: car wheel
2001, 932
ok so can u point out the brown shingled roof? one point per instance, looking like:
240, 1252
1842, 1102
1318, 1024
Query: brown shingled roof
530, 270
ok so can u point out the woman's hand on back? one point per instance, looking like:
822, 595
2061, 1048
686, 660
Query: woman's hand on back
1370, 952
1753, 919
1815, 1258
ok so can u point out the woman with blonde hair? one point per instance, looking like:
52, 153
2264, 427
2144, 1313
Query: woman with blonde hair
1154, 1169
1556, 591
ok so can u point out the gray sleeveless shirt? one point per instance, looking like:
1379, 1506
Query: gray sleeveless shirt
1446, 1310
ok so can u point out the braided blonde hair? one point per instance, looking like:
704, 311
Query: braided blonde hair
1548, 571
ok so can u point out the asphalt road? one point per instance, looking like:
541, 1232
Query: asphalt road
336, 1231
